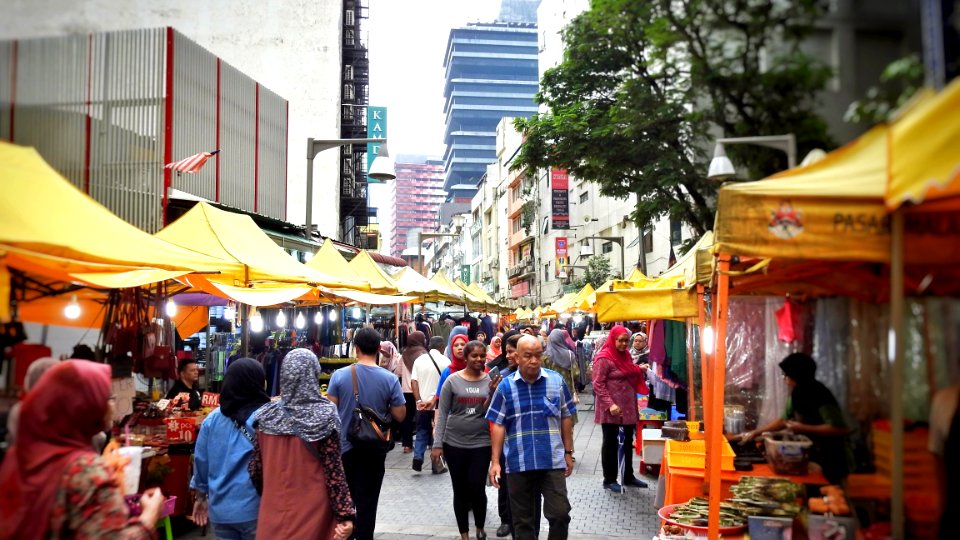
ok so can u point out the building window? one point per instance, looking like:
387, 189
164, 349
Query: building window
585, 196
515, 225
546, 272
348, 73
676, 235
607, 247
348, 18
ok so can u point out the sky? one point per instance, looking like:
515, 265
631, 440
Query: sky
407, 40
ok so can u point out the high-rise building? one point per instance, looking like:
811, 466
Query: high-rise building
491, 73
415, 198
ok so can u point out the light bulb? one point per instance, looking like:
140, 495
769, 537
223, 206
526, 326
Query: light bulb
256, 322
318, 317
333, 315
171, 308
494, 317
229, 312
281, 319
356, 313
300, 321
708, 339
72, 311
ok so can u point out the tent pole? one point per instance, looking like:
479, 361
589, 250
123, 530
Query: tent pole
245, 329
897, 353
691, 399
715, 417
396, 328
706, 356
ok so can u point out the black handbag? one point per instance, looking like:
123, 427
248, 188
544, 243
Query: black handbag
368, 429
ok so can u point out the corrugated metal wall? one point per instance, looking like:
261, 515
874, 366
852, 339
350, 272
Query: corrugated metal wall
238, 103
195, 114
95, 108
271, 174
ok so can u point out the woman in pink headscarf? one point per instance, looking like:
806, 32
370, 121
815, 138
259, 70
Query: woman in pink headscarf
394, 362
616, 382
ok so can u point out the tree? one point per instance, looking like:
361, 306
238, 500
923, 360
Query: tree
643, 82
899, 82
596, 273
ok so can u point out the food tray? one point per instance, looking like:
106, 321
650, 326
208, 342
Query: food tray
788, 456
693, 455
665, 512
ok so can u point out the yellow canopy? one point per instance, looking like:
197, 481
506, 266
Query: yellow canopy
482, 295
49, 227
475, 301
635, 275
368, 270
410, 282
525, 315
329, 260
669, 296
581, 302
464, 297
925, 150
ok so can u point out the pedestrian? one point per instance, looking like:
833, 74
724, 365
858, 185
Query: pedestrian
454, 351
52, 482
187, 383
496, 347
424, 381
225, 494
531, 412
616, 382
296, 461
36, 368
396, 363
561, 357
463, 438
379, 390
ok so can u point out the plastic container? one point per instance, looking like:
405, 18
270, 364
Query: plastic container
693, 455
831, 527
787, 456
770, 528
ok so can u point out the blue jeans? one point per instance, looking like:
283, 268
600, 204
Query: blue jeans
424, 439
235, 531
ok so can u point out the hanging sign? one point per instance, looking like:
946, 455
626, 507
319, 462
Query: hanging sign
560, 253
560, 198
376, 129
210, 400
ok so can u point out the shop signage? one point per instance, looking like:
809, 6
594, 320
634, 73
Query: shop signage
181, 430
465, 273
520, 289
210, 400
376, 129
560, 198
560, 252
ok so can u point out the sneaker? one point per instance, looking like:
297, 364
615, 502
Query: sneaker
614, 487
634, 482
504, 530
418, 464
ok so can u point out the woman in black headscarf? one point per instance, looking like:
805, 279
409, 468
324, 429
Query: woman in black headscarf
500, 361
812, 410
224, 446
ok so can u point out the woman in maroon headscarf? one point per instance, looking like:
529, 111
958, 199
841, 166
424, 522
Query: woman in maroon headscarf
616, 381
52, 483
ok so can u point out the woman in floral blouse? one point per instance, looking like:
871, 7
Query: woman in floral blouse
52, 483
297, 449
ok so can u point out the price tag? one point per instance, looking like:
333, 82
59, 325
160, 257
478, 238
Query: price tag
163, 404
210, 400
181, 430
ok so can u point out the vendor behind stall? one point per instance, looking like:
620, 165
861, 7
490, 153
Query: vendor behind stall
187, 383
812, 410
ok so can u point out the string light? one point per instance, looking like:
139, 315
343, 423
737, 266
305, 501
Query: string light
281, 319
171, 308
318, 317
229, 312
256, 321
72, 311
333, 315
300, 321
577, 319
708, 339
356, 313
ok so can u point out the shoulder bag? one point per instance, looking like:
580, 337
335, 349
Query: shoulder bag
368, 430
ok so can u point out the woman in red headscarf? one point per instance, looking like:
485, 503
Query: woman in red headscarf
52, 483
616, 381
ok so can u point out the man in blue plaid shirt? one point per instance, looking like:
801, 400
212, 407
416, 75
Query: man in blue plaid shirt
532, 412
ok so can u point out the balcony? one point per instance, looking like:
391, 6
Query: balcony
517, 237
515, 206
520, 270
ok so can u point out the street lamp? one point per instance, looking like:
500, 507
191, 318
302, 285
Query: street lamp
617, 239
382, 167
721, 167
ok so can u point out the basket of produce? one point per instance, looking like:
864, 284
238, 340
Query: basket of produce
772, 492
787, 452
693, 516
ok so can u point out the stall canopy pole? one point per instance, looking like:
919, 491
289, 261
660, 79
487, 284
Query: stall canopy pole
691, 394
396, 329
245, 329
706, 355
715, 416
896, 356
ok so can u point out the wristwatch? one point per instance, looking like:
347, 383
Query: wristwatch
568, 452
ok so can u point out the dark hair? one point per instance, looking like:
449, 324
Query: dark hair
184, 364
475, 344
437, 343
83, 352
512, 340
367, 340
799, 366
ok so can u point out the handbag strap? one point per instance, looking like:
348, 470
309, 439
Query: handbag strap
356, 386
435, 366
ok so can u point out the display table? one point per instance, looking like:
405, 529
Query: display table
681, 484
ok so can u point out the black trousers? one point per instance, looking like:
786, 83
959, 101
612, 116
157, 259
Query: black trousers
503, 498
364, 470
608, 452
526, 489
407, 426
468, 474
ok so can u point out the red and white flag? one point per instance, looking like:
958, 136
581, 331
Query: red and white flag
192, 164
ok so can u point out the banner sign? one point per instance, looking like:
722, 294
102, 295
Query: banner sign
560, 198
209, 400
520, 289
376, 129
560, 252
181, 430
465, 273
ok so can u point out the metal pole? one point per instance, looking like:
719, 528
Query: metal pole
308, 224
896, 390
623, 267
245, 329
420, 252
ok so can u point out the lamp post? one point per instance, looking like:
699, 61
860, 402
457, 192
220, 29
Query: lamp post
382, 167
617, 239
721, 167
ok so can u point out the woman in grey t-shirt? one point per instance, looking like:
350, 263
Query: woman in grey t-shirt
463, 437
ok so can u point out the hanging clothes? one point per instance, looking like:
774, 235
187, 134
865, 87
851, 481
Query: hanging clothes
675, 344
658, 352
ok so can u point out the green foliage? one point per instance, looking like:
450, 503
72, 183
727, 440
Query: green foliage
642, 83
899, 82
528, 216
596, 273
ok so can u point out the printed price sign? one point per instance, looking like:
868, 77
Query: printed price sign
181, 430
163, 404
210, 400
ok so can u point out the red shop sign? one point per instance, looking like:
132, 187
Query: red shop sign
520, 289
210, 400
181, 430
